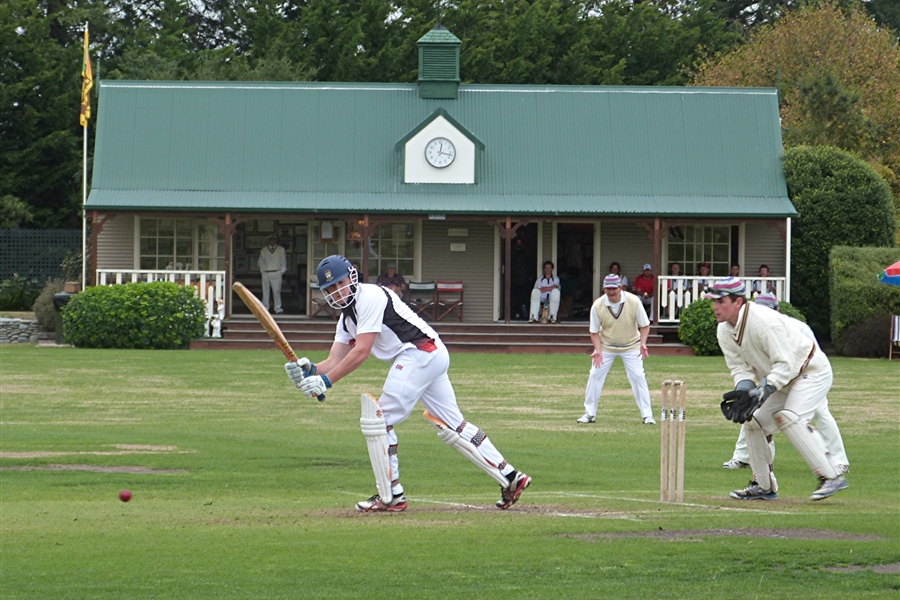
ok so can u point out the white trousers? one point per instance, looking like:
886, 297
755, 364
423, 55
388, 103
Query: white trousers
828, 429
634, 367
271, 282
418, 375
535, 312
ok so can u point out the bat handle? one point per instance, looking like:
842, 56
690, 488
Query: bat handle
321, 397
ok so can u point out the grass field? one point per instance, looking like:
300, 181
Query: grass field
243, 488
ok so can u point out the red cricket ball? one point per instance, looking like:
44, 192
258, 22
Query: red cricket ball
125, 495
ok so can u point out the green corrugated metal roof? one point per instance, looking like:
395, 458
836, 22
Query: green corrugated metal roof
331, 148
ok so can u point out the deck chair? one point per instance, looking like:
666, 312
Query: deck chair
895, 337
449, 299
319, 304
422, 298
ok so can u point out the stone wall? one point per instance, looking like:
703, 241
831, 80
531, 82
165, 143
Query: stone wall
18, 331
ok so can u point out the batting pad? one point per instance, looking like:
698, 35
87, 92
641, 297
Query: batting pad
375, 431
468, 449
808, 443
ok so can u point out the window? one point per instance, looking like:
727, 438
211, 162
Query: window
693, 244
181, 245
390, 243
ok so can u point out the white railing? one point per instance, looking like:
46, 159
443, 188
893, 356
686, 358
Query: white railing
210, 286
674, 293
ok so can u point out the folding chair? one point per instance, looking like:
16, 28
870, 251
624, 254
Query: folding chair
422, 298
319, 303
895, 336
449, 299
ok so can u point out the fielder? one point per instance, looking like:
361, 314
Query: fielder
825, 423
619, 329
375, 321
781, 379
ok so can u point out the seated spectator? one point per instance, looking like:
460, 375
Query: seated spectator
645, 288
703, 273
615, 269
392, 280
675, 271
760, 287
735, 270
546, 289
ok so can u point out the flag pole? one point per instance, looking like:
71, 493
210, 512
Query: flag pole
87, 82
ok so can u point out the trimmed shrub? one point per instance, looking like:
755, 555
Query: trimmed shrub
43, 308
135, 315
857, 296
698, 328
840, 198
867, 339
18, 293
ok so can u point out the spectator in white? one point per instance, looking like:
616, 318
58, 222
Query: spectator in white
272, 266
703, 271
619, 328
546, 289
825, 423
762, 287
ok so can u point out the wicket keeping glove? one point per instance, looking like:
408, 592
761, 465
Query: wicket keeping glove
315, 386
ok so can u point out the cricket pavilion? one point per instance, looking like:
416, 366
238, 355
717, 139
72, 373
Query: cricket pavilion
191, 178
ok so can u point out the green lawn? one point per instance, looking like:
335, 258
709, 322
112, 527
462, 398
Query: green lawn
244, 488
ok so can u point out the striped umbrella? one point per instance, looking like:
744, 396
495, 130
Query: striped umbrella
891, 275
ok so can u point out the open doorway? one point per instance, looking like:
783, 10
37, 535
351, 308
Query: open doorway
575, 258
523, 266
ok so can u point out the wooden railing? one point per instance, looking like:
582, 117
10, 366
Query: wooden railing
209, 285
675, 293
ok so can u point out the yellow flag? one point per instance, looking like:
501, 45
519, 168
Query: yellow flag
87, 82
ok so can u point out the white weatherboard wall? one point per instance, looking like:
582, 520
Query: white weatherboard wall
417, 170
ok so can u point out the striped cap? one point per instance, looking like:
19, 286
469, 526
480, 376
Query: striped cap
767, 300
612, 281
724, 287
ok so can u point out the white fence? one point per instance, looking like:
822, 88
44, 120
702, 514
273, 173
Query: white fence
209, 285
674, 293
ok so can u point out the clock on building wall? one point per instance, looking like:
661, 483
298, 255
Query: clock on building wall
440, 152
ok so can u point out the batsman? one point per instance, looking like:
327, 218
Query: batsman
781, 379
375, 321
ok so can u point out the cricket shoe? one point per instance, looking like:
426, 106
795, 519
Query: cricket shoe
510, 495
829, 487
586, 418
649, 421
375, 504
735, 464
754, 492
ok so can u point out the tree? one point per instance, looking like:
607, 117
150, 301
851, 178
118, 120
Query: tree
841, 201
825, 61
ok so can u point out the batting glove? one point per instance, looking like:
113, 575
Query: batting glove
315, 386
296, 372
307, 366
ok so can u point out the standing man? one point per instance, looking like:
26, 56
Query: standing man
781, 379
825, 423
619, 329
376, 322
645, 288
546, 289
272, 266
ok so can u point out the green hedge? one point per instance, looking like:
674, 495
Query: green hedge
135, 315
18, 293
858, 297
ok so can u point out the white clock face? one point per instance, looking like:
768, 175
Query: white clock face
440, 152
